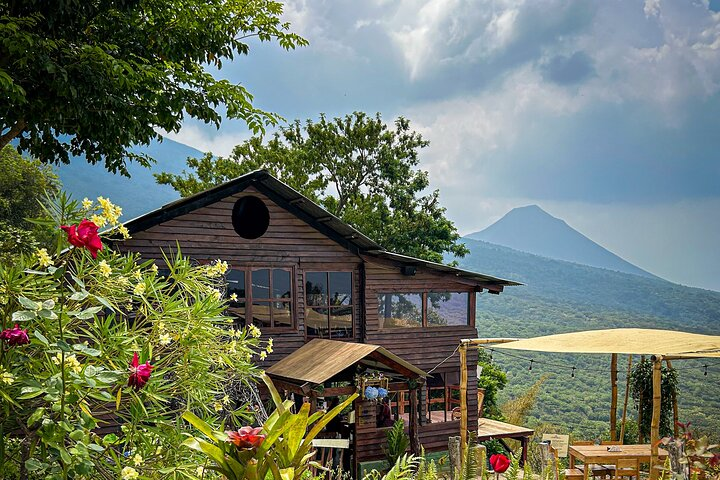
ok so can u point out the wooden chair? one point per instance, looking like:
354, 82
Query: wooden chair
611, 442
549, 458
627, 467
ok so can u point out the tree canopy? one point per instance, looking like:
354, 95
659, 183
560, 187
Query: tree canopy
356, 167
24, 186
92, 78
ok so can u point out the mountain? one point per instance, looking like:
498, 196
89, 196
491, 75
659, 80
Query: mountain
531, 229
560, 296
139, 193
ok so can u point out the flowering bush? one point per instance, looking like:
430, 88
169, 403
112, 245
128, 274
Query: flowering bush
690, 456
100, 355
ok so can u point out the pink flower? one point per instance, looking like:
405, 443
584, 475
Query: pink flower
246, 437
15, 336
139, 374
84, 235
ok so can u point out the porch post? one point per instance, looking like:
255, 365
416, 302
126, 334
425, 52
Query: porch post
463, 397
414, 434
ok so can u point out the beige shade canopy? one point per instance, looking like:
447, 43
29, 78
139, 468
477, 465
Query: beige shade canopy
637, 341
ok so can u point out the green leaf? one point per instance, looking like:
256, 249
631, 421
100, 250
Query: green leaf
88, 313
29, 304
48, 304
48, 314
62, 345
79, 296
90, 371
23, 316
104, 301
37, 414
200, 424
208, 449
33, 465
41, 337
30, 392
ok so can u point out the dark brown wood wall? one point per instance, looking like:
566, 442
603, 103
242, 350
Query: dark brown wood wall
207, 234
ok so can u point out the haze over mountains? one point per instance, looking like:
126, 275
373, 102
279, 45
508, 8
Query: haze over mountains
531, 229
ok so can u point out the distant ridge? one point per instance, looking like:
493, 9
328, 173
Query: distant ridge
531, 229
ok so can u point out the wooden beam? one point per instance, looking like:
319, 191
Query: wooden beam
655, 423
392, 364
337, 391
303, 389
625, 402
613, 398
487, 341
463, 397
415, 447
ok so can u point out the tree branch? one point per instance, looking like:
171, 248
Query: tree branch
14, 131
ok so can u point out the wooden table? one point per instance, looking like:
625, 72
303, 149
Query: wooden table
599, 454
495, 430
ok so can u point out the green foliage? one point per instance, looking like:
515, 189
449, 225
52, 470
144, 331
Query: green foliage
85, 319
516, 410
492, 379
284, 454
397, 442
356, 167
513, 471
24, 187
469, 463
426, 470
641, 381
403, 469
111, 74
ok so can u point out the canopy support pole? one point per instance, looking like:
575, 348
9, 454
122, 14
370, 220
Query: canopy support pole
655, 423
613, 399
625, 402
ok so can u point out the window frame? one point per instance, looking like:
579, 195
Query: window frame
328, 305
249, 298
471, 303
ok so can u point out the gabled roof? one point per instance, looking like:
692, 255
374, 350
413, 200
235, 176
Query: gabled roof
319, 360
306, 210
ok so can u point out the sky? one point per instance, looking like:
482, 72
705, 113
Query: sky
605, 114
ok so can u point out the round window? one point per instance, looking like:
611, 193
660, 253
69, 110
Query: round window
250, 217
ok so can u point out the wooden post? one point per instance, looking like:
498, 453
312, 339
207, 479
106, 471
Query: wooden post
676, 428
414, 436
613, 399
463, 397
625, 402
655, 423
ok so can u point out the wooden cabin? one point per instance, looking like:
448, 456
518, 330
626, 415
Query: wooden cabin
301, 273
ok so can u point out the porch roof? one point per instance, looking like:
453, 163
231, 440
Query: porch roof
319, 360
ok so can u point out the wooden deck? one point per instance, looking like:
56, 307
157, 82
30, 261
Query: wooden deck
495, 430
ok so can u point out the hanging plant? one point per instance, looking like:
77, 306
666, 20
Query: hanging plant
641, 380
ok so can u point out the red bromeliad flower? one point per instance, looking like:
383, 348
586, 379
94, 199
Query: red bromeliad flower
246, 437
15, 336
139, 374
499, 462
84, 235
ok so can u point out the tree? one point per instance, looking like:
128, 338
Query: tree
356, 167
492, 379
93, 78
24, 186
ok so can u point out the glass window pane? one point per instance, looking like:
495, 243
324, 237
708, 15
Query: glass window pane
237, 311
316, 288
281, 283
261, 283
340, 288
398, 310
282, 314
316, 322
447, 309
236, 283
341, 322
261, 314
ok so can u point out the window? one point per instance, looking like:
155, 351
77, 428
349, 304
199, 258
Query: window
427, 309
264, 295
329, 304
398, 310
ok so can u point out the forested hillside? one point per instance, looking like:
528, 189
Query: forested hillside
560, 297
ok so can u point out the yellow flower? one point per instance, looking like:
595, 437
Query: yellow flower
263, 355
98, 220
165, 339
105, 269
129, 473
137, 275
269, 348
234, 297
154, 268
158, 450
87, 203
124, 231
71, 362
218, 407
139, 289
254, 331
200, 471
161, 326
137, 459
43, 257
226, 400
6, 377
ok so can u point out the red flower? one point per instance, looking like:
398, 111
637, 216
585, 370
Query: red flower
499, 462
84, 235
15, 336
246, 437
714, 460
139, 374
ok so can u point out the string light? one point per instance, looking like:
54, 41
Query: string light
705, 373
531, 363
573, 372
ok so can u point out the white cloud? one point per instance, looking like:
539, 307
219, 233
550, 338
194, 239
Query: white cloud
198, 136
